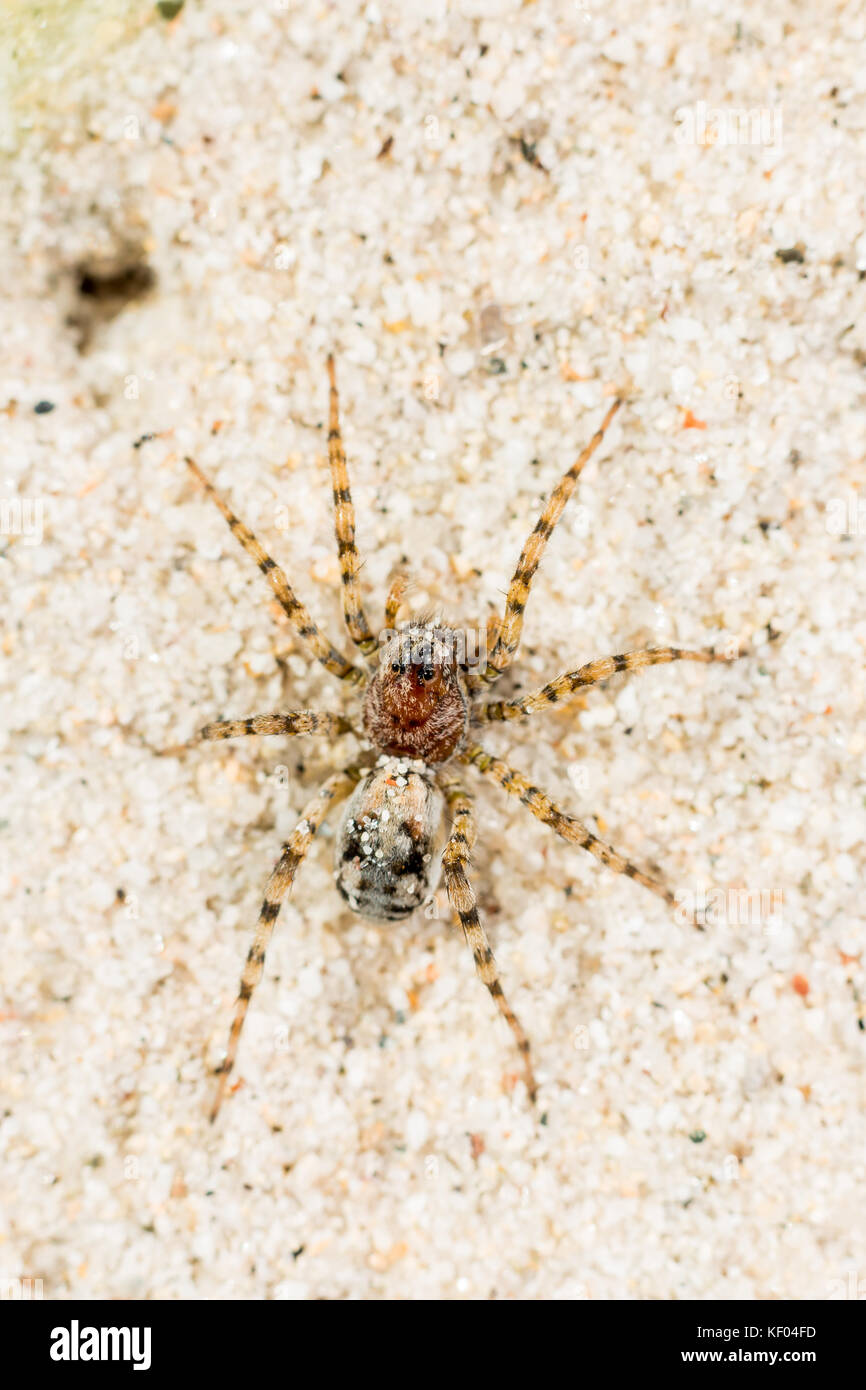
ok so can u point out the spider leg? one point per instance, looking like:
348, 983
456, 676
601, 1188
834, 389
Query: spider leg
508, 639
568, 827
590, 674
279, 883
344, 526
396, 594
494, 627
455, 862
305, 721
303, 624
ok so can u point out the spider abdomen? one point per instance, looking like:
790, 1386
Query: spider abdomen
387, 853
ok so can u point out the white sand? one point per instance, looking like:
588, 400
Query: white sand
378, 1129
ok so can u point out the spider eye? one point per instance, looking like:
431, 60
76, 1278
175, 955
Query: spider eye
395, 666
426, 673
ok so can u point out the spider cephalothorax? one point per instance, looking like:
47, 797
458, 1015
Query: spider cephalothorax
417, 709
416, 705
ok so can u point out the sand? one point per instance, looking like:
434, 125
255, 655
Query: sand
496, 220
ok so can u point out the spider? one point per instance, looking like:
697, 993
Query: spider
421, 703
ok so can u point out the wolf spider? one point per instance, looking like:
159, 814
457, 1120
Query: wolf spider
420, 698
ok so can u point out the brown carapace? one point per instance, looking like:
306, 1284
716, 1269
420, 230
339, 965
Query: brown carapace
415, 704
421, 699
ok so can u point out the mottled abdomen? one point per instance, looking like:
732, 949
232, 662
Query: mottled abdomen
388, 847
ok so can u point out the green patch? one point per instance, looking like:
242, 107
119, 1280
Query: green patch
170, 9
